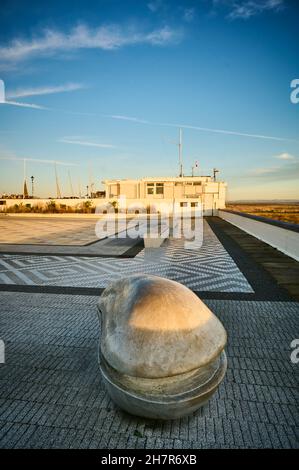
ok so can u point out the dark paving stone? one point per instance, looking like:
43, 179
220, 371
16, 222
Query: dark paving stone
52, 394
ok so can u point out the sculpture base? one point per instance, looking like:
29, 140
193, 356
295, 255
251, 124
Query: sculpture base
164, 398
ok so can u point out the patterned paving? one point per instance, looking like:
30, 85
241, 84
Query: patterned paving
207, 268
52, 395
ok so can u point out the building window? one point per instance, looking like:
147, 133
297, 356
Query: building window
155, 188
159, 188
150, 188
184, 204
194, 204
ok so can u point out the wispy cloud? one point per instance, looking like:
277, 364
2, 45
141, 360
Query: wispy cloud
245, 9
76, 140
263, 171
52, 42
285, 156
248, 9
38, 160
45, 90
128, 118
287, 169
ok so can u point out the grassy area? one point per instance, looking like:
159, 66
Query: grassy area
283, 212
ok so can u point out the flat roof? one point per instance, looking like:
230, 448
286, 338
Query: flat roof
161, 178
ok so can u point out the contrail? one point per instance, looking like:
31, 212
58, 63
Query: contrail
44, 90
66, 140
144, 121
15, 103
227, 132
197, 128
23, 105
127, 118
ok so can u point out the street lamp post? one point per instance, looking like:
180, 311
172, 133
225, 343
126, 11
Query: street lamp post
32, 192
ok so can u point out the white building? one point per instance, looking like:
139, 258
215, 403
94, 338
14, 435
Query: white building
187, 191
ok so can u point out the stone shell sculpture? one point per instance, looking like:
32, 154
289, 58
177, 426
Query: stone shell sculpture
161, 350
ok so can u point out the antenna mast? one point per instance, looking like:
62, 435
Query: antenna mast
215, 171
180, 147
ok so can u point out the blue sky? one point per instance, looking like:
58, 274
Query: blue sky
107, 83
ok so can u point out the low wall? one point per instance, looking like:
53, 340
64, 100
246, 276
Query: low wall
71, 202
280, 235
157, 205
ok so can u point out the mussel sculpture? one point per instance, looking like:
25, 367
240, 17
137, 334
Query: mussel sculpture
161, 350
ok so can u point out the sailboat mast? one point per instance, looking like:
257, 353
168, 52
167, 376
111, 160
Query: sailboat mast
24, 179
58, 193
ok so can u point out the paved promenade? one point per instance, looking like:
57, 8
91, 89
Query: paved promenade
218, 271
51, 391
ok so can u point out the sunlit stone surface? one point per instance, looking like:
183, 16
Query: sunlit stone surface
162, 349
